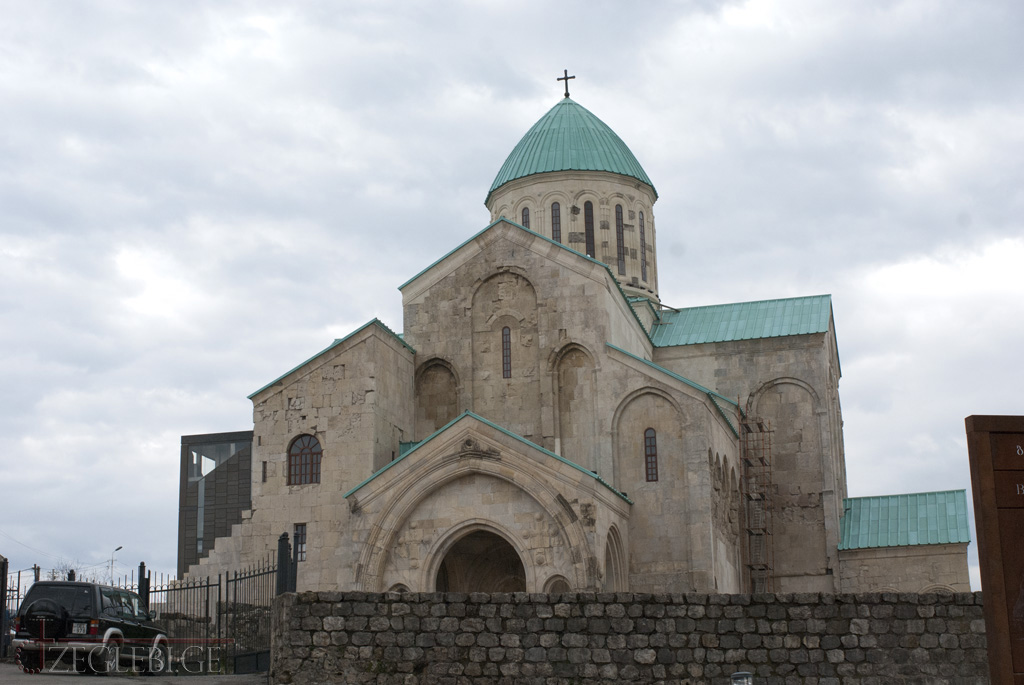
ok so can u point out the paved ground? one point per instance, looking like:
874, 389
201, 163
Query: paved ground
10, 673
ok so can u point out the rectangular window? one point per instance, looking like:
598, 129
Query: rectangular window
264, 472
588, 227
620, 239
643, 250
651, 454
556, 222
506, 352
300, 541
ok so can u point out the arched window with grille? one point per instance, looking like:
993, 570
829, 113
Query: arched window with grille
526, 217
620, 240
304, 460
588, 226
643, 249
506, 352
556, 222
651, 455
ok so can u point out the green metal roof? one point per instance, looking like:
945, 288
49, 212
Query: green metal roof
743, 321
469, 414
922, 518
568, 138
337, 341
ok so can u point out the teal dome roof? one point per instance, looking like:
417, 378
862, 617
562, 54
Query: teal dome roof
569, 138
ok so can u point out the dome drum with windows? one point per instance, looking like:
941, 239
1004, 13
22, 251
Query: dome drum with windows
573, 180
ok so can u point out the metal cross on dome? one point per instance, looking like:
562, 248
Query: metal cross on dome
566, 79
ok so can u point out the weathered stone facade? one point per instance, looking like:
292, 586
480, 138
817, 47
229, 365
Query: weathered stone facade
926, 568
693, 639
533, 411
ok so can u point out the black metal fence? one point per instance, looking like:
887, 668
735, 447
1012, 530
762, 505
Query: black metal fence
217, 623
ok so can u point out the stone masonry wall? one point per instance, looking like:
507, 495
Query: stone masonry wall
535, 639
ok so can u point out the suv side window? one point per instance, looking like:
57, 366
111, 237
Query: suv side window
111, 601
130, 604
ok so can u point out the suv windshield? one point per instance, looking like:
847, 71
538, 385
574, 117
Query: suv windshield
76, 599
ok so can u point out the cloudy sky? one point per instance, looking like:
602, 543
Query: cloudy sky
196, 196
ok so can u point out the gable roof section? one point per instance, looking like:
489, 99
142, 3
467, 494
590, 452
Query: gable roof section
923, 518
743, 321
488, 227
338, 341
569, 138
513, 224
711, 394
463, 415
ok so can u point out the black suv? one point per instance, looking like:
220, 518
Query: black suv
94, 628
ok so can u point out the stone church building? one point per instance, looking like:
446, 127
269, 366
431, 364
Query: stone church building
545, 423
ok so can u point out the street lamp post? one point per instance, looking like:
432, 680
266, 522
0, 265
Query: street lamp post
112, 563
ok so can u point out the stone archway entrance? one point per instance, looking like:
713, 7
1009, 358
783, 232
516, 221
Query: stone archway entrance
481, 562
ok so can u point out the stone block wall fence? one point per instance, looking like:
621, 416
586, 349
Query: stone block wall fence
577, 638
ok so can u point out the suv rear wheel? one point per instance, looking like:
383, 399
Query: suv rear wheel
46, 619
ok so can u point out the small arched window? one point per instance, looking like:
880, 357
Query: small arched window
556, 222
588, 226
506, 352
526, 217
304, 460
620, 240
643, 249
651, 454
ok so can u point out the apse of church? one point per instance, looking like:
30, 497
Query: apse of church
543, 423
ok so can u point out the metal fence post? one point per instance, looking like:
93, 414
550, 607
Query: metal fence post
3, 607
284, 567
143, 586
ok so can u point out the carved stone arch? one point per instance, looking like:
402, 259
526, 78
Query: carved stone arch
439, 361
503, 211
507, 366
556, 195
505, 315
526, 202
439, 396
564, 215
805, 511
764, 387
439, 550
937, 587
646, 390
581, 196
399, 588
616, 572
556, 585
557, 353
574, 383
621, 409
389, 521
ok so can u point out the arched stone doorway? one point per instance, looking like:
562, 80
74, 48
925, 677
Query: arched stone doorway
481, 562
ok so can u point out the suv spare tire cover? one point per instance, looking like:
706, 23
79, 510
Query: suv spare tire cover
45, 618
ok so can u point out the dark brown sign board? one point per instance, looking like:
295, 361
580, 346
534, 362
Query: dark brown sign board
995, 446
